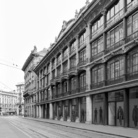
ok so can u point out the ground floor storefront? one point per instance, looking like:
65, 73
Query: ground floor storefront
114, 108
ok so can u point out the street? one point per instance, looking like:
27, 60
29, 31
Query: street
18, 127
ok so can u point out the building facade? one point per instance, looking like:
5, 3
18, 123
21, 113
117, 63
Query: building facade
8, 102
20, 99
30, 81
90, 73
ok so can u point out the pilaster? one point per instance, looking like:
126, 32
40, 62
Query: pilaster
88, 109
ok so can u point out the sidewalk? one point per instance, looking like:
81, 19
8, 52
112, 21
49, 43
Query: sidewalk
110, 130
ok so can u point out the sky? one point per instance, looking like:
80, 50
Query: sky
25, 24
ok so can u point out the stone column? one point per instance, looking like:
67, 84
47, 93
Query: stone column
126, 108
40, 111
70, 114
51, 111
79, 111
88, 78
88, 109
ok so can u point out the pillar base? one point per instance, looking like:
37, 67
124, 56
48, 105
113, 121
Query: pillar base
55, 118
88, 122
68, 119
77, 120
61, 119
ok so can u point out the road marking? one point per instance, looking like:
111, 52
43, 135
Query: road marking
20, 130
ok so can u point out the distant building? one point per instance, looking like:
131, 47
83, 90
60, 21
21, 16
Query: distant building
8, 102
20, 99
31, 80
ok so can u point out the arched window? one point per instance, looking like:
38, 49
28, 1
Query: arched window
115, 69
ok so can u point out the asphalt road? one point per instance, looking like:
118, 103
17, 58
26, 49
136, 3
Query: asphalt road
18, 127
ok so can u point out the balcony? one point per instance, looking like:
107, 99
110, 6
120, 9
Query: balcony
97, 85
98, 55
114, 46
83, 62
115, 80
83, 88
132, 36
132, 76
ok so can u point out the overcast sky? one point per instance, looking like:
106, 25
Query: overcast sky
25, 23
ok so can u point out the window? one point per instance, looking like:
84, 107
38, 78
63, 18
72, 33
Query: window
53, 63
82, 39
132, 26
65, 88
115, 36
72, 47
115, 12
65, 67
97, 46
132, 63
97, 74
73, 61
65, 53
53, 74
59, 71
82, 55
82, 80
58, 89
73, 83
59, 59
97, 26
115, 69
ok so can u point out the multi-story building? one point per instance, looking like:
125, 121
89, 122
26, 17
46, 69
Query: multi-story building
8, 102
90, 73
31, 80
20, 99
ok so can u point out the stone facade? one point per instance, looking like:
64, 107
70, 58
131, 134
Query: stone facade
90, 73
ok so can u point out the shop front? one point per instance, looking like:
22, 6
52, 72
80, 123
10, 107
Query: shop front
116, 108
98, 109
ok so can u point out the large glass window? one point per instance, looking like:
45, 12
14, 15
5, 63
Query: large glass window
73, 47
65, 53
115, 12
59, 71
65, 67
73, 83
97, 26
97, 74
82, 80
73, 61
97, 46
132, 27
82, 39
115, 36
82, 55
132, 63
115, 69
